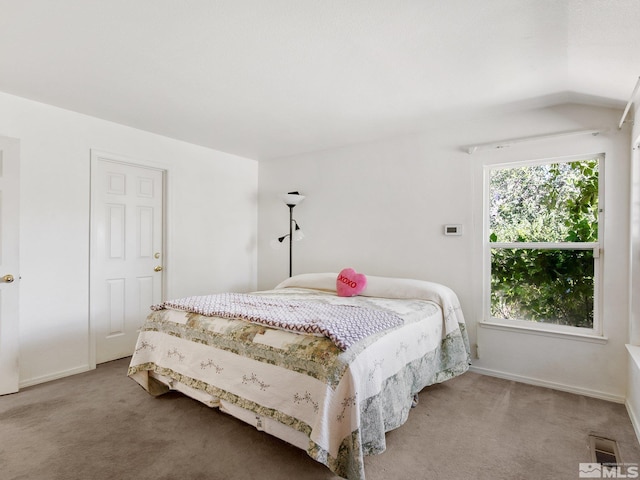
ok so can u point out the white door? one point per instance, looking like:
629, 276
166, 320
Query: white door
9, 268
126, 252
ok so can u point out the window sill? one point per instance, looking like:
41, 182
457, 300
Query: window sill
581, 337
634, 353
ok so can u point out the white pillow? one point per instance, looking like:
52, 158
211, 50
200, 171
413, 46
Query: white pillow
385, 287
389, 287
316, 281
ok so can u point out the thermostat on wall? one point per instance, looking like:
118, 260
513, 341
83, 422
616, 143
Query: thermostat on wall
453, 229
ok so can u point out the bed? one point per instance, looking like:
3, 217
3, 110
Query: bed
334, 395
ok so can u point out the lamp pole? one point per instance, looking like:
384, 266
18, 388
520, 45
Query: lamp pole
290, 239
291, 199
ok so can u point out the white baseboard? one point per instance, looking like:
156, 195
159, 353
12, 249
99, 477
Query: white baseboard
633, 399
635, 419
53, 376
555, 386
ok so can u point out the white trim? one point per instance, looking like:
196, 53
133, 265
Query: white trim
54, 376
545, 330
598, 248
628, 106
508, 143
543, 161
635, 419
634, 354
554, 386
547, 245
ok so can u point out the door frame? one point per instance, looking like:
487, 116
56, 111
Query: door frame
97, 155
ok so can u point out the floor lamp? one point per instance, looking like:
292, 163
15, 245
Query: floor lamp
291, 199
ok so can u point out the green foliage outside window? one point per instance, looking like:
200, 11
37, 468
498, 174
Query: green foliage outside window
544, 203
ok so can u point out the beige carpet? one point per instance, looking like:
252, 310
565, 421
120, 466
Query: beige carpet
102, 425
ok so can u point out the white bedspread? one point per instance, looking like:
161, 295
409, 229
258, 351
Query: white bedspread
343, 401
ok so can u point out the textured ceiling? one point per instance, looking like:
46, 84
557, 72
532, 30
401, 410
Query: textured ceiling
270, 78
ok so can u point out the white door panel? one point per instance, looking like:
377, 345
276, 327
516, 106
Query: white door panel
9, 264
126, 252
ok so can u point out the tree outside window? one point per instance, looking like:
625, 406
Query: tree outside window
544, 242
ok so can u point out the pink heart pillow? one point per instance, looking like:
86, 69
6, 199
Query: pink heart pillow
349, 283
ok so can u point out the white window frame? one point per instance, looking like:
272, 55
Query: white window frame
596, 333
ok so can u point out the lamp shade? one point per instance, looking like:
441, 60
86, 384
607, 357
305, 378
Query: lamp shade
292, 198
277, 243
298, 234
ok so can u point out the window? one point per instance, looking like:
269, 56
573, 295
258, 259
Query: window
543, 245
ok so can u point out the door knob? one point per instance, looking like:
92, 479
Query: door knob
8, 278
158, 268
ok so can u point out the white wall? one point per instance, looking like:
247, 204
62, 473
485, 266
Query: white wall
633, 390
212, 223
633, 387
634, 323
380, 208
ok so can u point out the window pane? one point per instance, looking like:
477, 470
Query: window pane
549, 286
555, 202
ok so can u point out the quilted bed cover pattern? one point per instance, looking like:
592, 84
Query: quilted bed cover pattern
344, 401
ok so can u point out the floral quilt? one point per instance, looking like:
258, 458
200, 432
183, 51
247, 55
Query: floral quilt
343, 401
